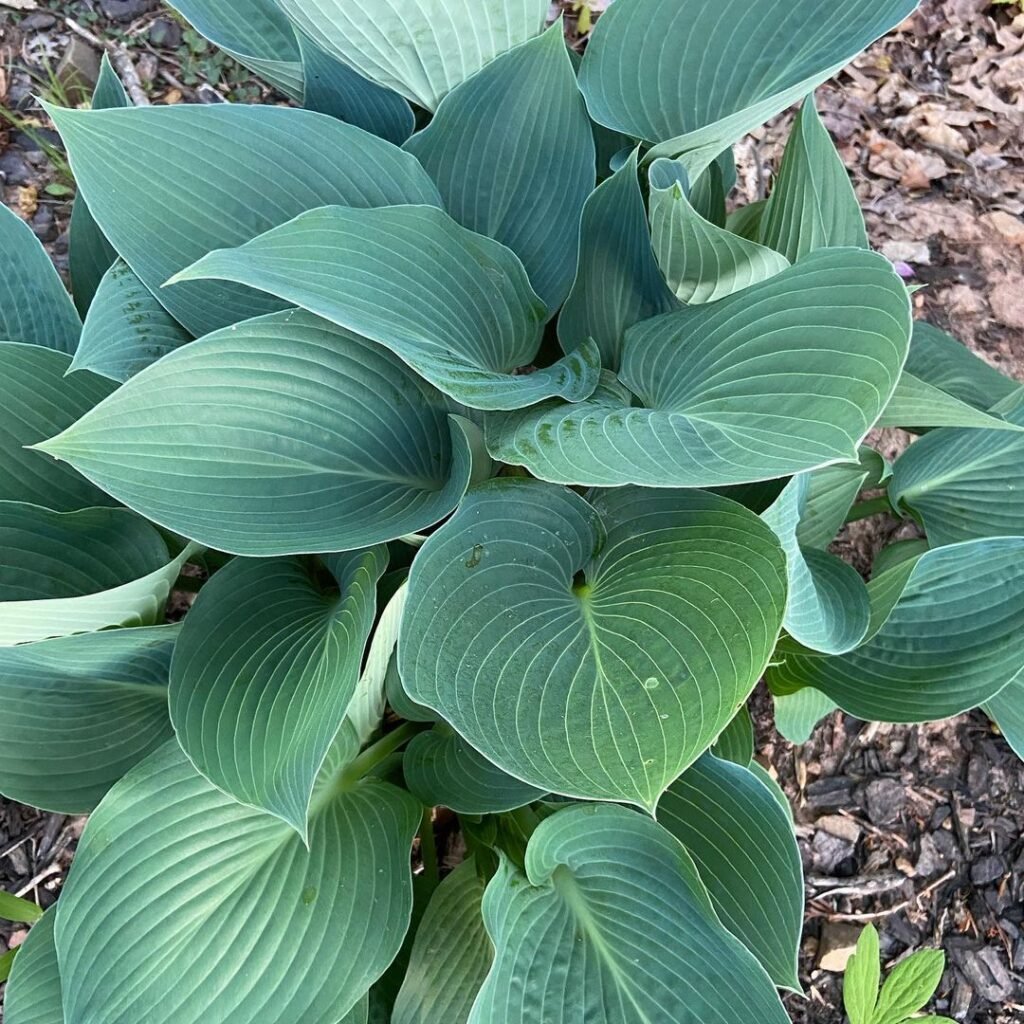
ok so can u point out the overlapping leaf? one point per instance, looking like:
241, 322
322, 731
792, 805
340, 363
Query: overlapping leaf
496, 145
831, 492
609, 686
915, 403
126, 328
696, 77
610, 922
278, 436
420, 48
948, 639
264, 672
736, 741
184, 906
742, 842
77, 712
786, 376
272, 164
38, 401
33, 992
454, 305
796, 714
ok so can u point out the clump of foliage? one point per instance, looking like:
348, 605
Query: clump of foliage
511, 458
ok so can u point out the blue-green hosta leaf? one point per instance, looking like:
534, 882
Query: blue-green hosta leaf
78, 712
895, 554
785, 376
184, 906
618, 282
454, 305
1006, 709
607, 688
813, 204
263, 674
701, 261
700, 76
496, 145
742, 841
126, 328
736, 741
336, 89
272, 164
420, 48
827, 609
940, 360
831, 493
255, 32
918, 404
278, 436
401, 703
33, 992
609, 924
89, 253
951, 641
745, 221
75, 572
963, 483
36, 402
796, 714
441, 768
450, 956
35, 308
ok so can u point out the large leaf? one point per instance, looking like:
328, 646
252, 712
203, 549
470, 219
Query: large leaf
441, 768
279, 436
35, 308
827, 609
126, 328
703, 75
916, 403
951, 641
184, 906
785, 376
496, 145
618, 282
74, 572
76, 713
33, 992
450, 956
609, 924
420, 48
89, 253
592, 650
37, 401
701, 261
266, 666
813, 204
963, 484
742, 841
272, 163
454, 305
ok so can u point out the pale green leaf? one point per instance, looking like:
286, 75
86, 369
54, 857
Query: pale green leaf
264, 671
37, 401
831, 493
183, 906
611, 923
497, 144
272, 163
78, 712
736, 741
895, 554
126, 328
35, 308
618, 282
909, 986
281, 435
701, 261
420, 48
455, 306
861, 979
14, 908
742, 842
450, 956
916, 403
785, 376
33, 993
796, 714
610, 686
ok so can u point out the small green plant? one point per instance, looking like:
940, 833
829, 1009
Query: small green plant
502, 454
907, 990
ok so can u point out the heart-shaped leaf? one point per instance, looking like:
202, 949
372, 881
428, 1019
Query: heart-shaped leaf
234, 438
594, 650
456, 306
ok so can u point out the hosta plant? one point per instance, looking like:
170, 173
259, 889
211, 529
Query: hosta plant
504, 453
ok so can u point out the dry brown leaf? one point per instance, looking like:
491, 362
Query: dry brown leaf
28, 200
943, 136
1010, 227
172, 96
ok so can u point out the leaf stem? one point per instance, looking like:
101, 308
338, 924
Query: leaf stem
428, 851
377, 752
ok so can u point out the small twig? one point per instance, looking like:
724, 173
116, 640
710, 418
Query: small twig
52, 869
121, 60
863, 885
878, 915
